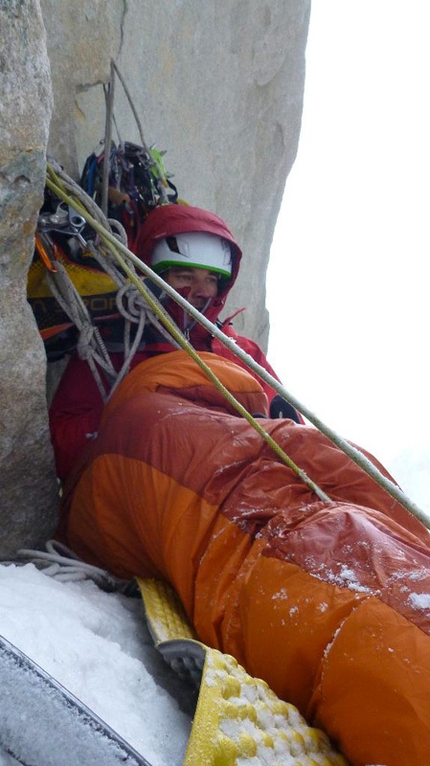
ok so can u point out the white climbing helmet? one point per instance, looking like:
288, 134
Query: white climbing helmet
194, 250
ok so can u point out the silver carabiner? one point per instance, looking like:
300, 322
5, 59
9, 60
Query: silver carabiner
76, 220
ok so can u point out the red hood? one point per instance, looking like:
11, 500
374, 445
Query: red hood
172, 219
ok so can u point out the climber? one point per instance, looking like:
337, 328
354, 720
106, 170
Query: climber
195, 252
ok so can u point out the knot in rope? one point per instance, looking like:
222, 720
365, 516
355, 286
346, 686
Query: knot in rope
131, 304
86, 337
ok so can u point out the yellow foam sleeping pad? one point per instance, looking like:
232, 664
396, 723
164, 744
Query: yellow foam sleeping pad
238, 721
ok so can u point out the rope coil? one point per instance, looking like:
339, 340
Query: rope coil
60, 563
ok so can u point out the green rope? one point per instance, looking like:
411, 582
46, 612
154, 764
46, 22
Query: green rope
361, 460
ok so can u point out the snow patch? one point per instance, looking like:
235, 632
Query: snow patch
95, 644
419, 600
344, 577
282, 595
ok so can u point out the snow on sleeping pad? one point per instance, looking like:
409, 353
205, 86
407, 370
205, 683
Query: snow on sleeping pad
43, 724
239, 721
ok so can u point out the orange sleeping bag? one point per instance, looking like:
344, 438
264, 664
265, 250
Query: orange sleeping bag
329, 602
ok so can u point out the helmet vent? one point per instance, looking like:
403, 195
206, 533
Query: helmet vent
172, 244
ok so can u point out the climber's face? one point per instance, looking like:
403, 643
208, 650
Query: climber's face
202, 284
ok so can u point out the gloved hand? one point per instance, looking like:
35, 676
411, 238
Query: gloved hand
155, 289
280, 408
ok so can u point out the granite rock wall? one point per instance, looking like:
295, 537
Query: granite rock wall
27, 480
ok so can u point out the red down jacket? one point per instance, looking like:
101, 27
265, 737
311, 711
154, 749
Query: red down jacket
329, 602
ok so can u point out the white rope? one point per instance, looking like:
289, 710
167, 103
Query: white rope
118, 230
136, 304
62, 564
96, 352
140, 318
90, 344
132, 306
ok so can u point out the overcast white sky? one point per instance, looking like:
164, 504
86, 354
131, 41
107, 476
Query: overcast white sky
348, 284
